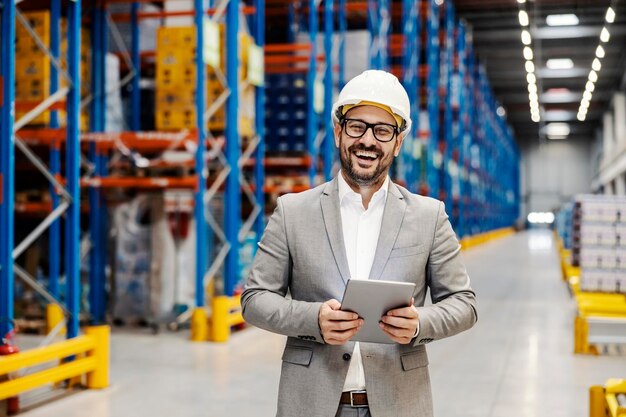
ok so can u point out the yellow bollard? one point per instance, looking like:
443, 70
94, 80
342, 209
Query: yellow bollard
54, 316
199, 325
596, 401
99, 378
220, 321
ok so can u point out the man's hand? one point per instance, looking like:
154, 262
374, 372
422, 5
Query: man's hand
337, 326
400, 324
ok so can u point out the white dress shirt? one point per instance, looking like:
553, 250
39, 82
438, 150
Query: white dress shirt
361, 229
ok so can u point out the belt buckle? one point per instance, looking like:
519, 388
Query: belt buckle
352, 400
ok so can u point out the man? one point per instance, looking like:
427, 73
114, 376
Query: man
360, 226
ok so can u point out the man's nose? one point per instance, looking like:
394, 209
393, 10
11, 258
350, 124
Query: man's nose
368, 136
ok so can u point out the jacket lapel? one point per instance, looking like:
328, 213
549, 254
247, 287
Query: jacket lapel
390, 227
332, 220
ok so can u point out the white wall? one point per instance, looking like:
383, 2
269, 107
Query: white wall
553, 171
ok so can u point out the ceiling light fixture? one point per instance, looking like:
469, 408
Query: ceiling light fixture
531, 78
562, 20
523, 18
596, 65
605, 35
528, 53
610, 15
600, 51
560, 63
593, 76
590, 86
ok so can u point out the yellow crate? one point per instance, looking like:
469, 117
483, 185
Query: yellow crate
175, 98
176, 37
39, 21
175, 118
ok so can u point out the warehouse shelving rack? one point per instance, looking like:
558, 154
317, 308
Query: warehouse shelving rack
95, 343
100, 144
303, 57
430, 131
11, 132
230, 176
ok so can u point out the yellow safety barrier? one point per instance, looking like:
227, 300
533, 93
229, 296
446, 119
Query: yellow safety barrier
608, 401
471, 241
92, 359
226, 312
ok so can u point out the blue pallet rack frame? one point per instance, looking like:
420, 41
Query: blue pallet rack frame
7, 167
258, 25
97, 203
379, 26
54, 236
72, 161
232, 195
432, 154
72, 170
312, 128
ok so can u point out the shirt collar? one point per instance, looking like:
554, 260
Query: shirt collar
346, 191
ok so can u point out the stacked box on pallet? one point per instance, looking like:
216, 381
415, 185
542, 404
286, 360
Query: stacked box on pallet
563, 224
176, 82
32, 65
599, 242
286, 112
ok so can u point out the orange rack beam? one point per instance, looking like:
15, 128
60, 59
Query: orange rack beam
144, 183
126, 17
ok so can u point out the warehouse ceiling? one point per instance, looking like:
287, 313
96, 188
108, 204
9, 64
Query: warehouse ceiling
497, 42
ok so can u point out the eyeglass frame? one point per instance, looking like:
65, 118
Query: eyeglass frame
369, 126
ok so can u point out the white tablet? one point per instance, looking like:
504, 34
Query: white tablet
372, 299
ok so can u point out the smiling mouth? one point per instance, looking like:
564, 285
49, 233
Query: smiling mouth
366, 155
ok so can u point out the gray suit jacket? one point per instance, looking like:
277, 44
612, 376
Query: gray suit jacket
301, 263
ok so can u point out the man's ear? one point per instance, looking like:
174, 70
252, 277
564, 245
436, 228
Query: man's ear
337, 133
396, 150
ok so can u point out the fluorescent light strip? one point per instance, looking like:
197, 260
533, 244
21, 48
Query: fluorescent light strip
533, 90
596, 66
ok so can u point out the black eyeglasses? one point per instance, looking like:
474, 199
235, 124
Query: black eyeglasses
355, 128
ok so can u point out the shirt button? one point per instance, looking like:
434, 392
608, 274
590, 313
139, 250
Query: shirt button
346, 356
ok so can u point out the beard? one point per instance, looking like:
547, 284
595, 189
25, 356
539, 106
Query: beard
364, 178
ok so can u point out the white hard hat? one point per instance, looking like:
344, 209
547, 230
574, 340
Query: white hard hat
375, 86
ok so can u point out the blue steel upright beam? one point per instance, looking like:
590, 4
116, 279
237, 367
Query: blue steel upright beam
329, 142
433, 156
343, 27
201, 223
410, 80
378, 24
72, 169
446, 140
97, 212
312, 124
259, 167
54, 234
7, 165
463, 126
232, 198
135, 94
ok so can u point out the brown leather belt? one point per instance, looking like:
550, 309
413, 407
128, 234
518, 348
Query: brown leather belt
354, 399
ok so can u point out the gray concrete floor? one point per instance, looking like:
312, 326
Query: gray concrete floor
516, 362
